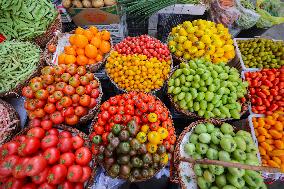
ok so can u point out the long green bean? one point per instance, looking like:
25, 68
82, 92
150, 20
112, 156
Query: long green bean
18, 60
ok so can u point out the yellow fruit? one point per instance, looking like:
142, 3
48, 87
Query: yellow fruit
187, 24
182, 39
199, 33
228, 48
182, 32
191, 30
199, 45
178, 53
186, 56
199, 53
217, 43
210, 49
180, 47
172, 43
187, 44
193, 50
205, 39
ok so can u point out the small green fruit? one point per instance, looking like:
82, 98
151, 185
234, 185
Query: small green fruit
228, 144
229, 187
239, 155
216, 169
201, 148
208, 176
241, 144
236, 181
204, 138
221, 180
197, 170
216, 136
227, 128
193, 138
189, 148
212, 154
201, 182
224, 156
210, 127
201, 128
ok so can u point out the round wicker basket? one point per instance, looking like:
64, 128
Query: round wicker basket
9, 122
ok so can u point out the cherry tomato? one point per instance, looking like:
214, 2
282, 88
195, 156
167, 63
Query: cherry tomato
52, 155
83, 156
28, 92
75, 173
57, 174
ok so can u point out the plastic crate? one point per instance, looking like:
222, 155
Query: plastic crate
273, 176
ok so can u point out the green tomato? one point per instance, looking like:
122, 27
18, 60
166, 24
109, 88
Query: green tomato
209, 96
204, 138
196, 106
200, 128
216, 136
210, 127
221, 180
241, 144
193, 138
224, 156
238, 182
189, 148
239, 155
201, 182
253, 178
228, 144
227, 128
216, 170
201, 148
208, 176
197, 170
212, 154
236, 171
200, 96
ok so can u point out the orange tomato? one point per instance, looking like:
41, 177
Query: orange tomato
72, 39
93, 29
80, 41
99, 58
275, 134
88, 34
70, 59
82, 60
279, 144
69, 50
61, 58
51, 48
91, 61
105, 46
80, 51
96, 42
261, 138
105, 35
91, 51
79, 30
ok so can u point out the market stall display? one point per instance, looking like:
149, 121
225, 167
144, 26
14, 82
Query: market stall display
139, 63
29, 20
201, 38
269, 131
88, 3
205, 90
260, 53
266, 89
133, 136
59, 157
19, 62
62, 94
216, 141
9, 122
84, 47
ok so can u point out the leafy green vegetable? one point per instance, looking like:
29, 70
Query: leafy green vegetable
25, 19
18, 60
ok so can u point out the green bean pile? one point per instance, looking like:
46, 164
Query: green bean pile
25, 19
18, 60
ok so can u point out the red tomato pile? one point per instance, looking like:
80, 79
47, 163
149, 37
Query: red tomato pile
136, 106
266, 89
61, 94
45, 160
144, 44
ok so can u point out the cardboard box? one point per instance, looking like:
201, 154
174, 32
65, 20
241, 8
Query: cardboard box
95, 16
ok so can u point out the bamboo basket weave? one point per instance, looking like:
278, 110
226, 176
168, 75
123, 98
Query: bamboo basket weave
87, 143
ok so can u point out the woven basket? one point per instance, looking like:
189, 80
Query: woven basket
15, 127
177, 155
137, 180
87, 143
54, 40
17, 91
152, 92
194, 115
43, 39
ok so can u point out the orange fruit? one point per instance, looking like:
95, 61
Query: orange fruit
70, 59
79, 30
99, 35
69, 50
61, 58
100, 52
99, 58
91, 51
91, 61
82, 60
93, 29
105, 35
88, 34
81, 41
72, 39
105, 46
80, 51
96, 42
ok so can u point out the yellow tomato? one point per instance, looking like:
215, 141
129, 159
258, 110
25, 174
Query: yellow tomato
163, 132
164, 159
151, 148
152, 117
154, 137
141, 137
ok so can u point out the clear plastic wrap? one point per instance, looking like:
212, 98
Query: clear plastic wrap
224, 12
248, 18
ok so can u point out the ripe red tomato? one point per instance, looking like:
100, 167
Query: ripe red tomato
41, 177
117, 118
69, 90
48, 141
75, 98
88, 89
18, 170
66, 101
58, 95
129, 109
81, 70
51, 99
65, 145
78, 142
94, 84
72, 69
36, 85
41, 94
112, 110
126, 118
47, 186
84, 80
48, 79
113, 100
73, 81
85, 100
80, 111
93, 103
75, 173
49, 108
68, 111
86, 174
71, 120
58, 70
121, 110
29, 146
52, 155
65, 134
66, 185
7, 165
105, 115
65, 77
13, 183
35, 165
57, 174
39, 103
79, 186
52, 131
151, 106
90, 76
56, 117
39, 113
46, 124
36, 132
67, 159
99, 130
28, 92
29, 186
80, 90
10, 148
83, 156
105, 105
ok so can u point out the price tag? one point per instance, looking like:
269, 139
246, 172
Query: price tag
2, 38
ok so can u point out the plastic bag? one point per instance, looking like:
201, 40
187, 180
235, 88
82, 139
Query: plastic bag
248, 18
271, 13
224, 13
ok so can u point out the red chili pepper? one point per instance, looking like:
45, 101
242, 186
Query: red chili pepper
266, 92
270, 98
259, 101
253, 109
278, 97
267, 83
252, 91
266, 102
273, 92
280, 103
275, 81
273, 107
254, 83
261, 94
2, 38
